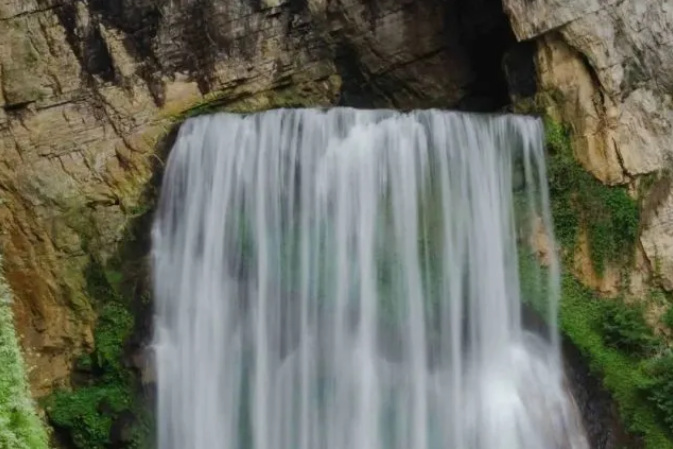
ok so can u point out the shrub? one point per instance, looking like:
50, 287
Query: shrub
87, 413
658, 389
667, 319
624, 328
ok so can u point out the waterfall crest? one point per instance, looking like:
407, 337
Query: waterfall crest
349, 279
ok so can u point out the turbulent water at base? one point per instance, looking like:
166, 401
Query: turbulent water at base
349, 279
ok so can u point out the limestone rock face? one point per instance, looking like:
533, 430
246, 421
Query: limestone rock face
88, 87
607, 67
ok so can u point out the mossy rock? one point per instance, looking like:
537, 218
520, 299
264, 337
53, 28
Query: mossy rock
301, 95
610, 216
610, 332
107, 391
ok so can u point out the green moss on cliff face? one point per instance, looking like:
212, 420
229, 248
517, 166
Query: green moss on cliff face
613, 335
609, 215
619, 346
87, 413
605, 332
20, 427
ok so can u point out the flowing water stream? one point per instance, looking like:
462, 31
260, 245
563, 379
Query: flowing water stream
349, 279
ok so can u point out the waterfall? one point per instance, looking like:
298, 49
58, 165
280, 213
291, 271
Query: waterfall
349, 279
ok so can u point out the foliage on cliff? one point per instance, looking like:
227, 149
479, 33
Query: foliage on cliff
104, 409
20, 427
609, 215
612, 333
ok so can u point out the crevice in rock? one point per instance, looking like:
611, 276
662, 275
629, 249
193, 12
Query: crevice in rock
486, 34
297, 6
139, 23
203, 53
87, 44
357, 89
620, 159
499, 67
17, 107
520, 71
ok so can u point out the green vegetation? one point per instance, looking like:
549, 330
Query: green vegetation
612, 334
667, 319
609, 215
659, 387
87, 413
621, 349
608, 333
624, 328
20, 427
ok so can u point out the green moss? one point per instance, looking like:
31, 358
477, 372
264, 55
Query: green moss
667, 319
624, 373
624, 328
613, 336
86, 413
20, 427
609, 215
253, 103
115, 325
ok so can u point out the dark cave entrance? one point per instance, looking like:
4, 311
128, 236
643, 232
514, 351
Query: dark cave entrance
502, 67
479, 32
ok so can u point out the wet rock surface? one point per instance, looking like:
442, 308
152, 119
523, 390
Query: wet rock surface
600, 416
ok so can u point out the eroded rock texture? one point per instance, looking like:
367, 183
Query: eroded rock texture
88, 87
607, 68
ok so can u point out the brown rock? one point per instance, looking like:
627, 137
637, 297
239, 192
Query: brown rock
87, 89
606, 69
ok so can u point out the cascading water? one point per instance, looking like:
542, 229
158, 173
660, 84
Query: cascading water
349, 279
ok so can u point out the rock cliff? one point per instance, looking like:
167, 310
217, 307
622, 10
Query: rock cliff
606, 66
90, 89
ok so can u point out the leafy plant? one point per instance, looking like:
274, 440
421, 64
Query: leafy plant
582, 319
667, 319
659, 387
624, 327
87, 413
609, 215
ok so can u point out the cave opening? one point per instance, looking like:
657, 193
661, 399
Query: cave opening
486, 36
477, 39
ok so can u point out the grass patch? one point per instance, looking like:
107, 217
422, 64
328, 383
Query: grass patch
20, 427
609, 215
